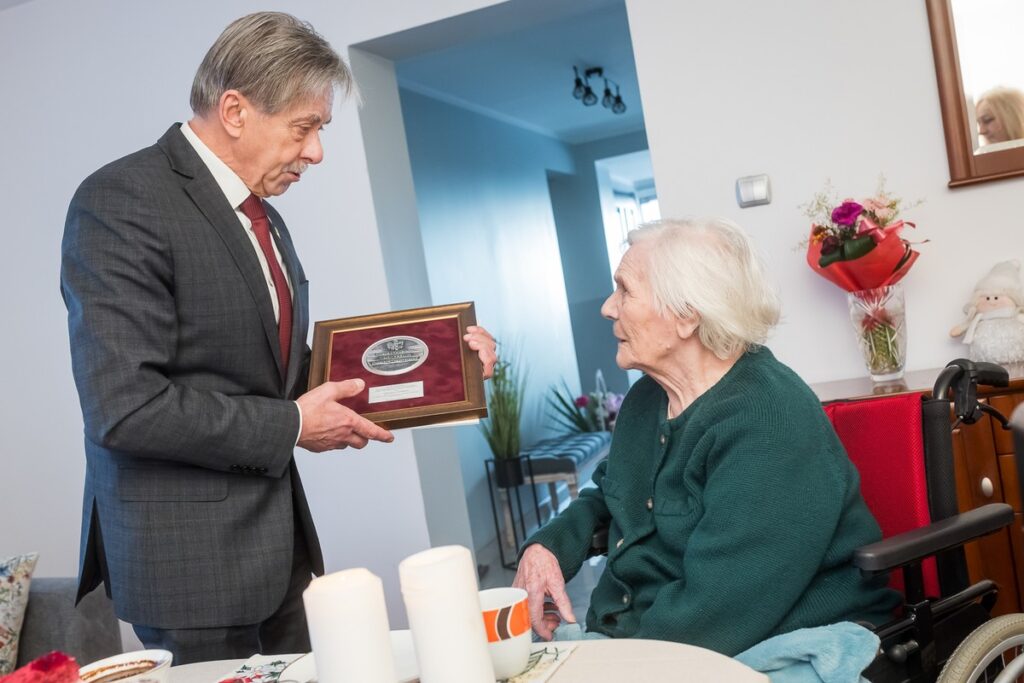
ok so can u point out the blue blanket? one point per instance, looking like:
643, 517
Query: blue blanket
826, 654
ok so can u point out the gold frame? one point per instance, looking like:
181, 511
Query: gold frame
475, 405
965, 167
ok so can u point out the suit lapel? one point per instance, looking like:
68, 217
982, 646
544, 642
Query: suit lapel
300, 304
207, 195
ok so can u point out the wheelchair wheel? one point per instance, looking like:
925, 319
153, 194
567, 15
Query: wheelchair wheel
987, 652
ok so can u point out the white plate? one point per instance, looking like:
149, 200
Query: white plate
303, 669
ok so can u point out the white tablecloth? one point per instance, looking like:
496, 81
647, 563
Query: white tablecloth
593, 661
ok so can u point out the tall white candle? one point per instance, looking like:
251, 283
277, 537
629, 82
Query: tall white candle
443, 604
348, 628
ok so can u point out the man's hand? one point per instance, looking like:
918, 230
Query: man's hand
481, 341
541, 576
326, 424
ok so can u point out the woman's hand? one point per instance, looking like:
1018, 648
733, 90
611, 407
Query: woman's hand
481, 341
541, 576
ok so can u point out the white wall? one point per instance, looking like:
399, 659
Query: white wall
84, 83
804, 91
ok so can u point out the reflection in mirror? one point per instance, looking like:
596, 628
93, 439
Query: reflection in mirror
991, 50
992, 71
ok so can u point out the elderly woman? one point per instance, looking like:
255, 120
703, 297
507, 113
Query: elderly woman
732, 508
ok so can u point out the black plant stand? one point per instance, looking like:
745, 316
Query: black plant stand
525, 478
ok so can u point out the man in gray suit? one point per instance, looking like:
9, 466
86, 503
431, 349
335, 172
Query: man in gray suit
187, 312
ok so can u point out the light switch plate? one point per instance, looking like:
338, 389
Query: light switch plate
753, 190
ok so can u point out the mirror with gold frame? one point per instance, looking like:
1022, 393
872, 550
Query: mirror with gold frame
981, 87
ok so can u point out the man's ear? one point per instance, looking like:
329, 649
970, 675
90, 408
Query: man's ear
233, 110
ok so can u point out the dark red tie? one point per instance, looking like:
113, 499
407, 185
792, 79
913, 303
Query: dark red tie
253, 209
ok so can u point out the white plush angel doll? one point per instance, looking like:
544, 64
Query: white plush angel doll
994, 327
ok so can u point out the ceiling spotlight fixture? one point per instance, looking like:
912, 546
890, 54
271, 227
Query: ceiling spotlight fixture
606, 101
585, 93
619, 106
577, 90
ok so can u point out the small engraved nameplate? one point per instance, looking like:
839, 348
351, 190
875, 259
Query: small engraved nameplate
395, 392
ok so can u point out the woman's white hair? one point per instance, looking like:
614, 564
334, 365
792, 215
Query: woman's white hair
708, 267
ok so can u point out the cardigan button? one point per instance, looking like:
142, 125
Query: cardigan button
618, 543
662, 439
650, 503
625, 599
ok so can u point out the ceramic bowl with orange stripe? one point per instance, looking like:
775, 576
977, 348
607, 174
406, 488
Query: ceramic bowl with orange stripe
507, 623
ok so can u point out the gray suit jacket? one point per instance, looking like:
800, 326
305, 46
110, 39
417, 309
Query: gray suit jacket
191, 489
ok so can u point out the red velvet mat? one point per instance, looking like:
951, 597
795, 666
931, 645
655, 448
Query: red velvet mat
441, 372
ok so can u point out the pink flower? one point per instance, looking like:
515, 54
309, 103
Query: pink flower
885, 214
582, 401
882, 207
873, 204
612, 403
847, 213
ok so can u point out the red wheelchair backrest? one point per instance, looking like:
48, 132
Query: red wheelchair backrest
884, 439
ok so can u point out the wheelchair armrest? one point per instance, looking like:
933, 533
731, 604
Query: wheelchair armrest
916, 544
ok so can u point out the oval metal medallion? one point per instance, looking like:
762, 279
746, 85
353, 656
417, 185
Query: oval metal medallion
395, 355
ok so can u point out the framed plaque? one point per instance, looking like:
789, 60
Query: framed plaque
417, 368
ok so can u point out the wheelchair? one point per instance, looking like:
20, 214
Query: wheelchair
951, 638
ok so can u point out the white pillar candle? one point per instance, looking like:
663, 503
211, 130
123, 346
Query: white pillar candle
348, 628
443, 604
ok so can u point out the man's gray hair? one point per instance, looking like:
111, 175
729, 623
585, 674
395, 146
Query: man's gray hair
708, 266
273, 59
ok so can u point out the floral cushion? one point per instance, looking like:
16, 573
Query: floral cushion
15, 577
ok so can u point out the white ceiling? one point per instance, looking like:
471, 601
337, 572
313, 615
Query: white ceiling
523, 74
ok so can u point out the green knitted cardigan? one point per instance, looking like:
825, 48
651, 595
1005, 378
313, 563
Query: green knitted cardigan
730, 523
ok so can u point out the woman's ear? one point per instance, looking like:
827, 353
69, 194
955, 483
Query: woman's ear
686, 327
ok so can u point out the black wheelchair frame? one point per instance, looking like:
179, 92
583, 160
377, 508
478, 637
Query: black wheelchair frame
943, 634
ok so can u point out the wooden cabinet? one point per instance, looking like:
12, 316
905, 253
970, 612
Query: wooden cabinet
986, 472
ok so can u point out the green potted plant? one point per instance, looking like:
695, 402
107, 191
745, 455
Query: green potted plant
501, 427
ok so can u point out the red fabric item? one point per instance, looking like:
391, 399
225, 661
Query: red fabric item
884, 439
55, 667
252, 207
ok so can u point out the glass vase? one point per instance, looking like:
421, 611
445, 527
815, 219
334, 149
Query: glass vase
879, 319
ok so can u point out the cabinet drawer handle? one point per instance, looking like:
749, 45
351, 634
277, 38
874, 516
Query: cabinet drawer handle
986, 487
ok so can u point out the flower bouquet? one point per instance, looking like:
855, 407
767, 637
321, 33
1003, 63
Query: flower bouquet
857, 246
593, 412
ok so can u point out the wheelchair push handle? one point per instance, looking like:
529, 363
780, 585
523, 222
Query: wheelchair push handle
963, 377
